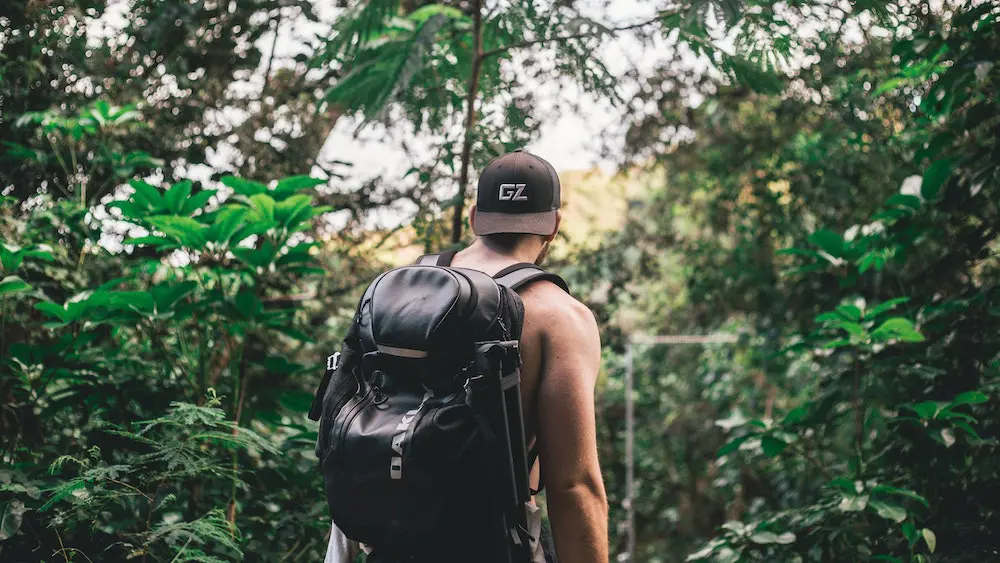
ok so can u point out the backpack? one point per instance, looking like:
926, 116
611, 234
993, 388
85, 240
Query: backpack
421, 440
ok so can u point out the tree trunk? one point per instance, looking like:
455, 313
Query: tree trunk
470, 121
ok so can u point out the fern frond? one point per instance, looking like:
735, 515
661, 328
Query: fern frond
243, 439
166, 501
387, 66
56, 466
211, 529
362, 22
63, 491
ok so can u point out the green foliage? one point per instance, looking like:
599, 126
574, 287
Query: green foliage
145, 478
859, 256
830, 195
101, 353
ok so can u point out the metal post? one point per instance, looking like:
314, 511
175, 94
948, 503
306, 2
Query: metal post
628, 503
629, 453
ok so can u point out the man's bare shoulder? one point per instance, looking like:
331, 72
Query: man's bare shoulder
557, 311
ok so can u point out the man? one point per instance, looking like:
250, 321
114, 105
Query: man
516, 217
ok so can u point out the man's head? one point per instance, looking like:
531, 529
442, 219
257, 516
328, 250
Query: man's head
517, 203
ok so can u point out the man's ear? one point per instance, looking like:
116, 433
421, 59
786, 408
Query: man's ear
472, 217
549, 238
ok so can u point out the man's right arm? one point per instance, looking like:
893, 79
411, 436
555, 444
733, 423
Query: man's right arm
567, 436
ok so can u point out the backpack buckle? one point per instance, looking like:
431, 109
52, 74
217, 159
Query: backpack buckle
333, 362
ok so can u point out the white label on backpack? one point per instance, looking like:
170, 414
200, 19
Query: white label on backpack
396, 463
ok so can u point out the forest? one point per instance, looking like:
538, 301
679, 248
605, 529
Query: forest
186, 225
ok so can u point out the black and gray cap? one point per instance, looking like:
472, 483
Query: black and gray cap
518, 192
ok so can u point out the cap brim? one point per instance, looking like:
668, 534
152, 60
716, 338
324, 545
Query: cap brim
491, 223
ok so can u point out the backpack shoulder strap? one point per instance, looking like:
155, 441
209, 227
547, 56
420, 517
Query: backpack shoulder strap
442, 259
519, 275
514, 277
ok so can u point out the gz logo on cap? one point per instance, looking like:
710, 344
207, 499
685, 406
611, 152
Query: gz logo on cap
512, 192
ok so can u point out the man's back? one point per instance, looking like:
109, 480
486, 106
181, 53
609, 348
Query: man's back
560, 350
516, 217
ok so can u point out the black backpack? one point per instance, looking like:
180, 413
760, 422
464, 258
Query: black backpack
421, 439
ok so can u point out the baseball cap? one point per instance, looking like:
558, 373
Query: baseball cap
518, 192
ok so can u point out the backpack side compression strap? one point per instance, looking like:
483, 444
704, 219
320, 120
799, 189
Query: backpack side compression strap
519, 275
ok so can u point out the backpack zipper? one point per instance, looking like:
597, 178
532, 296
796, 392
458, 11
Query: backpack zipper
503, 303
352, 414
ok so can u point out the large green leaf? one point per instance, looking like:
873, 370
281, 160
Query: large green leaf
41, 252
251, 229
177, 195
970, 398
910, 202
930, 538
888, 511
248, 305
129, 209
197, 201
141, 302
289, 186
165, 295
244, 187
257, 257
772, 446
146, 196
829, 241
53, 310
10, 521
290, 211
927, 410
9, 258
228, 221
263, 206
850, 312
296, 255
853, 503
935, 176
151, 241
185, 230
889, 490
13, 284
898, 328
732, 445
885, 306
910, 533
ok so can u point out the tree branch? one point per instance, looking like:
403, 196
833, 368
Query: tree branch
270, 60
565, 38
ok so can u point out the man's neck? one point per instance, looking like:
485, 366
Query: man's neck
479, 251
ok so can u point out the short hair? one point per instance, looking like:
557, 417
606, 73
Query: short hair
505, 242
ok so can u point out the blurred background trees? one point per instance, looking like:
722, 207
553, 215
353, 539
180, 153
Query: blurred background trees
181, 249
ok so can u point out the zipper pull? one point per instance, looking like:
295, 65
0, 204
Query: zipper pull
380, 397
